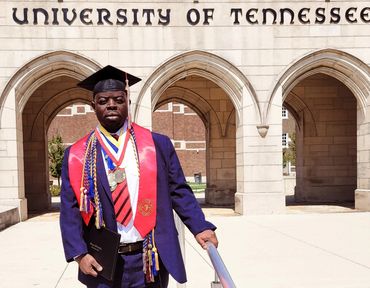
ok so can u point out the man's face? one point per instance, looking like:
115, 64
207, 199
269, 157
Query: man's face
110, 109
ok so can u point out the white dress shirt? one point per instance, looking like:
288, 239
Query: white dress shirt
128, 233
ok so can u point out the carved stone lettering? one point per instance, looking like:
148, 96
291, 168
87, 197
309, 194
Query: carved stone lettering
65, 16
25, 16
193, 16
244, 15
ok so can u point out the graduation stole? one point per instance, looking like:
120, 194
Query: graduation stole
145, 217
76, 161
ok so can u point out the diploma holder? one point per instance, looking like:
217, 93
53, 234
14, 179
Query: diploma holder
103, 246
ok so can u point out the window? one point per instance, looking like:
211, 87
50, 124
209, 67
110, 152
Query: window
284, 113
285, 140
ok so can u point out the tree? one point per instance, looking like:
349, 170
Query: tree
289, 154
55, 154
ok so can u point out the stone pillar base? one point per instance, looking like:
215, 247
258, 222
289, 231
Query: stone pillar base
259, 203
21, 204
362, 199
219, 197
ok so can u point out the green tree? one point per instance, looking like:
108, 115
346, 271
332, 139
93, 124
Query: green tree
289, 154
55, 154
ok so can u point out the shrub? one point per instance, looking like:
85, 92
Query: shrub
54, 190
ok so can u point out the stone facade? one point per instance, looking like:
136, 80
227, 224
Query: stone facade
234, 63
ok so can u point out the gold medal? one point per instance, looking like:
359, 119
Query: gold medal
119, 175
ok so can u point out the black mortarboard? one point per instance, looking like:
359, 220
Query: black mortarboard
108, 78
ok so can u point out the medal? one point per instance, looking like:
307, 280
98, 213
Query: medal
112, 181
116, 177
119, 175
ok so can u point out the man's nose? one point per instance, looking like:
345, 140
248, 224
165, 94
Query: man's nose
111, 103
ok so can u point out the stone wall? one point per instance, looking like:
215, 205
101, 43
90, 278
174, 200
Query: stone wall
252, 60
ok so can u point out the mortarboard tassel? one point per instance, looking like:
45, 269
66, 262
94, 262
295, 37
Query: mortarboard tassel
128, 103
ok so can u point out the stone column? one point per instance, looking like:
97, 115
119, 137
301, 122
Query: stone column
11, 159
362, 193
36, 172
221, 172
259, 163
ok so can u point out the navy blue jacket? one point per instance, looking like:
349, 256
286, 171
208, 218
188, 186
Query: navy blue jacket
172, 194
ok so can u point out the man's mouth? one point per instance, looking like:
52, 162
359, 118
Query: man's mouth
112, 115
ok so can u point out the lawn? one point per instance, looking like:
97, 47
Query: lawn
197, 187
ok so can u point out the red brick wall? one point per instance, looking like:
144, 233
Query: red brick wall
72, 128
183, 126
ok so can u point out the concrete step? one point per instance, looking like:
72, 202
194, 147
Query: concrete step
9, 215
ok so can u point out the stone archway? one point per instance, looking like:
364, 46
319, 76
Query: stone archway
36, 121
248, 116
211, 104
328, 127
326, 144
29, 107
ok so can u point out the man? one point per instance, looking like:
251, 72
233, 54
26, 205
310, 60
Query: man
126, 179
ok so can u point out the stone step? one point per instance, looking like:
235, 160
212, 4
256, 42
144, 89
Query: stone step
9, 215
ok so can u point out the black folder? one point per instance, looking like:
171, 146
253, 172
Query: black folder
103, 246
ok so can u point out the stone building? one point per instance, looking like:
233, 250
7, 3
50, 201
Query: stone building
235, 63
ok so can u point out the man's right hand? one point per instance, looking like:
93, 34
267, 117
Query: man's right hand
88, 265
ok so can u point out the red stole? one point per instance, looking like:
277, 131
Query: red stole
75, 164
146, 210
145, 217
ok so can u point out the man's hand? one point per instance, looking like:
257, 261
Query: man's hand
206, 235
88, 265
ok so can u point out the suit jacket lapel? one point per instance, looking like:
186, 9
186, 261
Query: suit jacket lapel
102, 174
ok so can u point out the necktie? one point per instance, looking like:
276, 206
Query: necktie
122, 204
121, 195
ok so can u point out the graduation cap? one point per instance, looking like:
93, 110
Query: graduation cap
111, 78
108, 78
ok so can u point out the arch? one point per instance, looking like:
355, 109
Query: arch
42, 69
189, 98
203, 64
178, 79
296, 105
345, 67
53, 106
20, 88
229, 121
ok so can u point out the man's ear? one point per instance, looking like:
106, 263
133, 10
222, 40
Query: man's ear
93, 104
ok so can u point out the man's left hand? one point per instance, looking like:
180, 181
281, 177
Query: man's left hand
206, 235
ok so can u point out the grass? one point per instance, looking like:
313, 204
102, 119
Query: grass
197, 187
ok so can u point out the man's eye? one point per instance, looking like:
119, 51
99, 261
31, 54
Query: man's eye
102, 101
